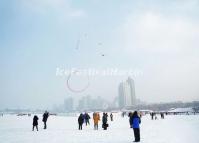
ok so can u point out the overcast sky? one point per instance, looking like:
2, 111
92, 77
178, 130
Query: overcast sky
158, 38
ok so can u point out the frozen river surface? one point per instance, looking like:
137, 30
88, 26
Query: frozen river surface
173, 129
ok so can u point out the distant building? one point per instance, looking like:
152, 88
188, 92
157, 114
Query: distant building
68, 104
88, 103
127, 93
85, 103
132, 91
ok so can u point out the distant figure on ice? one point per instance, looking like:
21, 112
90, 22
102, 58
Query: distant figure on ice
105, 121
156, 117
87, 118
162, 115
111, 116
152, 115
35, 122
80, 121
123, 114
135, 122
96, 118
45, 118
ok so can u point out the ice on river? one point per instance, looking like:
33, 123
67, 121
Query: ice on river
64, 129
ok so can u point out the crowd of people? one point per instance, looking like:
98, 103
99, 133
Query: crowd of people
84, 118
154, 115
134, 121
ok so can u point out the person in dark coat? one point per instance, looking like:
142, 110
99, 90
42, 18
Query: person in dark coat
111, 116
80, 121
87, 118
135, 122
35, 122
130, 115
104, 121
45, 118
162, 115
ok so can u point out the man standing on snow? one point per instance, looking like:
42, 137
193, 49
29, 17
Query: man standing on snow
111, 116
80, 121
104, 121
87, 118
35, 123
45, 118
135, 122
96, 118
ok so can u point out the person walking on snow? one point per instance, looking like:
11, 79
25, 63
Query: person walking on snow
135, 122
96, 118
87, 118
80, 121
111, 116
35, 122
104, 121
45, 118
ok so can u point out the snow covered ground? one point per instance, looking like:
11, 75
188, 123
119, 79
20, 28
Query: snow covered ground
62, 129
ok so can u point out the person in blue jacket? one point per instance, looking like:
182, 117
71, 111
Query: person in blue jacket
135, 123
